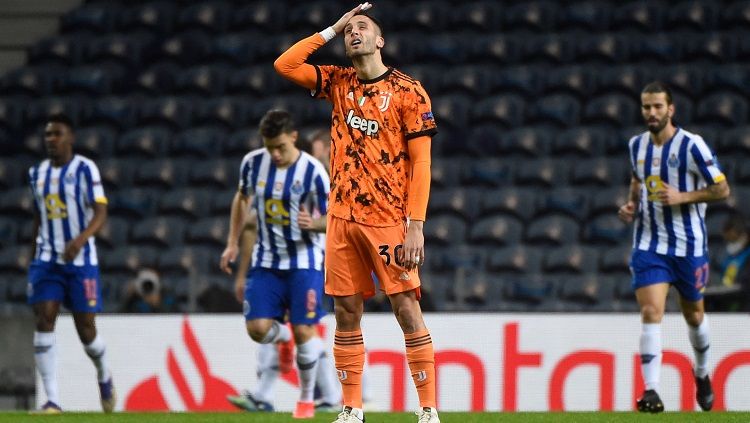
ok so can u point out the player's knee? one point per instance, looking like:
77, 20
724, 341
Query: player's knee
257, 331
651, 313
694, 318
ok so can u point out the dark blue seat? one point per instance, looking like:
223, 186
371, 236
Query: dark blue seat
693, 15
150, 141
33, 81
505, 110
496, 230
724, 108
183, 261
601, 172
117, 172
734, 78
445, 172
736, 15
423, 16
458, 201
210, 232
604, 48
189, 48
230, 112
541, 172
215, 174
94, 80
12, 175
256, 80
496, 49
95, 142
460, 256
715, 47
266, 16
554, 49
311, 16
442, 49
531, 291
614, 109
577, 80
119, 112
202, 80
452, 111
616, 260
161, 173
606, 229
481, 140
93, 17
240, 143
527, 81
567, 201
515, 259
114, 233
202, 142
211, 16
642, 16
12, 111
58, 50
664, 47
483, 16
133, 202
17, 202
510, 201
238, 48
587, 15
176, 112
553, 230
581, 141
608, 201
221, 203
157, 80
734, 141
130, 50
592, 292
525, 142
15, 260
488, 173
688, 80
626, 80
128, 260
560, 109
684, 109
185, 202
445, 230
471, 80
159, 232
7, 229
539, 16
574, 259
155, 17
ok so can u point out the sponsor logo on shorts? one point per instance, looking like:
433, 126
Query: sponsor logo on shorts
404, 276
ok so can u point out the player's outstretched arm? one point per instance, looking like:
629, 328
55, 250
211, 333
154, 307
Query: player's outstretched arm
292, 64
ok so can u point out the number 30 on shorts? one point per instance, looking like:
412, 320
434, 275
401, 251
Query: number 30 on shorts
384, 252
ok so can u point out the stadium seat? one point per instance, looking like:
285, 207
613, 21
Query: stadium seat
608, 48
12, 111
541, 172
521, 80
488, 173
156, 80
161, 173
580, 141
134, 203
173, 111
616, 260
240, 143
57, 50
38, 111
445, 230
715, 47
662, 47
573, 259
733, 78
452, 111
457, 257
471, 80
148, 141
606, 229
266, 16
210, 232
587, 15
131, 50
230, 112
688, 80
554, 49
684, 110
211, 16
98, 18
114, 233
567, 201
16, 287
128, 260
190, 48
693, 15
608, 201
560, 109
642, 16
7, 233
17, 202
588, 291
116, 111
577, 80
15, 260
221, 202
445, 172
95, 142
532, 291
626, 80
238, 48
525, 142
255, 80
723, 108
537, 16
12, 175
483, 16
715, 220
496, 230
518, 202
163, 232
515, 259
614, 109
199, 142
202, 80
32, 81
553, 230
732, 142
496, 48
736, 15
190, 203
461, 202
184, 261
214, 174
311, 16
154, 17
505, 110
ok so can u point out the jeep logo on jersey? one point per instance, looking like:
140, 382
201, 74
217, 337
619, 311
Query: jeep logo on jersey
369, 127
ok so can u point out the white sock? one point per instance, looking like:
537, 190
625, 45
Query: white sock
268, 372
45, 356
699, 339
326, 380
97, 351
651, 354
277, 333
307, 364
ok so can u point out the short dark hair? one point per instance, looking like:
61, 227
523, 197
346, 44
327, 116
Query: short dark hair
276, 122
658, 87
61, 118
372, 17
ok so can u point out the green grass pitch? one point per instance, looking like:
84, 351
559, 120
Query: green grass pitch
447, 417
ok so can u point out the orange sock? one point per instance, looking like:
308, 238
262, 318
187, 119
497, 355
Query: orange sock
421, 358
349, 355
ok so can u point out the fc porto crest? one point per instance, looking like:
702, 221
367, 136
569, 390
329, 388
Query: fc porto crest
673, 161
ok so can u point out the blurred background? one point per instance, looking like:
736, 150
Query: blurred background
535, 102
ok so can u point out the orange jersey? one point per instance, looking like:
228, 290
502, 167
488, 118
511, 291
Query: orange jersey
372, 122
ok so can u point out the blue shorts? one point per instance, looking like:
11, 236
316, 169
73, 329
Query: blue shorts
77, 287
270, 293
688, 274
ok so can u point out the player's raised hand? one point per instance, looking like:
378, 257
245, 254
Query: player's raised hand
341, 23
627, 212
669, 195
304, 219
228, 256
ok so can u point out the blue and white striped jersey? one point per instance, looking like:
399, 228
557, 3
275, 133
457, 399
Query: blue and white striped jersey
684, 162
64, 198
277, 196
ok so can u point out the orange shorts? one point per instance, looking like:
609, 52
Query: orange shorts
354, 251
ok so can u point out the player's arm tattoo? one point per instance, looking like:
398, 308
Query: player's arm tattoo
714, 192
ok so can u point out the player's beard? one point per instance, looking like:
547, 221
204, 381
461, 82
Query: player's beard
656, 127
366, 48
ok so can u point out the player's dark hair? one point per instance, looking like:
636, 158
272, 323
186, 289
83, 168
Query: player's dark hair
61, 118
276, 122
658, 87
372, 17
